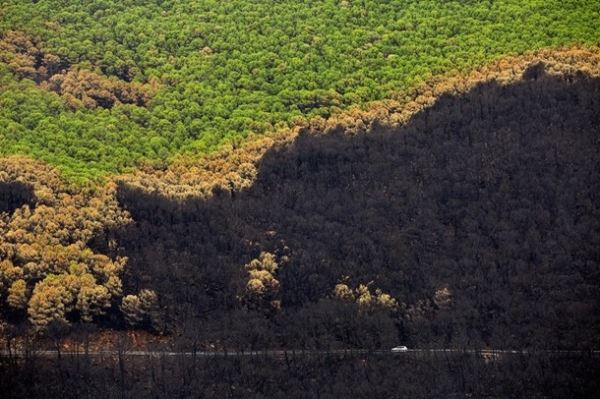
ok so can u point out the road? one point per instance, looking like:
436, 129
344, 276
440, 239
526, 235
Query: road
297, 353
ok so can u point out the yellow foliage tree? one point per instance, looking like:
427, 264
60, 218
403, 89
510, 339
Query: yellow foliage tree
262, 286
17, 294
141, 309
48, 303
45, 264
57, 295
364, 298
343, 292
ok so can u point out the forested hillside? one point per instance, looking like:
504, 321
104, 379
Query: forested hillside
312, 181
475, 223
466, 215
98, 87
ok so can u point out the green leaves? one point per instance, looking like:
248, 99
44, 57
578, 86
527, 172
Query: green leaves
226, 69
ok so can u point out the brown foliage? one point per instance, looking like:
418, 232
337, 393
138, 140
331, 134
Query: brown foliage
79, 87
82, 88
227, 171
27, 58
45, 241
234, 169
46, 265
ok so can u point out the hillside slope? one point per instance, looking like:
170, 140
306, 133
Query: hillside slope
97, 88
479, 216
464, 215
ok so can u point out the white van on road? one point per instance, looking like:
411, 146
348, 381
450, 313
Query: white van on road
399, 349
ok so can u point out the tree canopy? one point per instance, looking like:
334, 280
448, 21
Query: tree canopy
96, 87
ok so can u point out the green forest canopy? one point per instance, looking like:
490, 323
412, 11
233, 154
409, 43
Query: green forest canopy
224, 69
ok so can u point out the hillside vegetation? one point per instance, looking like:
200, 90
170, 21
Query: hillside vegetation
47, 271
97, 87
474, 223
466, 215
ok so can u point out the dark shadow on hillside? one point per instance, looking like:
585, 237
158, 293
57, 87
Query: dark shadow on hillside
494, 194
14, 195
